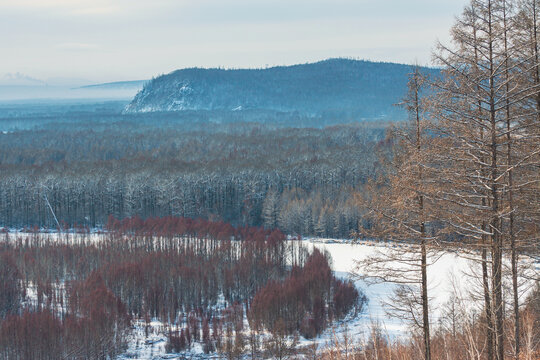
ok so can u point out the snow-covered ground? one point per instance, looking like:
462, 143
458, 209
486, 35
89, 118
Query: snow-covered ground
450, 275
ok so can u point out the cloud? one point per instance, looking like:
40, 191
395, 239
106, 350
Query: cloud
76, 47
44, 3
37, 4
68, 7
105, 10
139, 38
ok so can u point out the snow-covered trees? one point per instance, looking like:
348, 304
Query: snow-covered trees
225, 172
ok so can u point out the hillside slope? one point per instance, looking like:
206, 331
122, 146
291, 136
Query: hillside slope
332, 87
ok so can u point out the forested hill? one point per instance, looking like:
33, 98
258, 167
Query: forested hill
340, 87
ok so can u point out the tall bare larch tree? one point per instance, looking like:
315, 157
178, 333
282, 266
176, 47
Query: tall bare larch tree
486, 148
400, 211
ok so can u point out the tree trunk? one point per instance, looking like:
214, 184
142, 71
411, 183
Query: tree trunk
487, 304
425, 304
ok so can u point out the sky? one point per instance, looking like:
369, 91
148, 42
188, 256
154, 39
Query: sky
116, 40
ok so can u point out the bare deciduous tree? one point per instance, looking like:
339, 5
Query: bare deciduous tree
400, 212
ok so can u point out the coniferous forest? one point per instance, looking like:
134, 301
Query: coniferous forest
256, 169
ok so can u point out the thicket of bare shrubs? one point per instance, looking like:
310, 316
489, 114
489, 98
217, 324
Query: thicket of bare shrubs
202, 279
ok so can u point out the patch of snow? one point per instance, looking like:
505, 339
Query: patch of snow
449, 275
147, 341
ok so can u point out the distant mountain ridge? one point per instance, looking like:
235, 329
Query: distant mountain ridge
21, 87
335, 87
117, 85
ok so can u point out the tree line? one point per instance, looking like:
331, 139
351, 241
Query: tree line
300, 180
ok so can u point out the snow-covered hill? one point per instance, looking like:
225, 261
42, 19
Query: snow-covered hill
338, 87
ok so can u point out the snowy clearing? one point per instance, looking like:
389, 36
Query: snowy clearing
449, 276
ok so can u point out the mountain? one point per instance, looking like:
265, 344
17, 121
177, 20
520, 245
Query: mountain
22, 87
18, 79
118, 85
335, 87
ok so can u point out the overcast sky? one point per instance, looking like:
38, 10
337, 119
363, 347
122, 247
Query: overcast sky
111, 40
